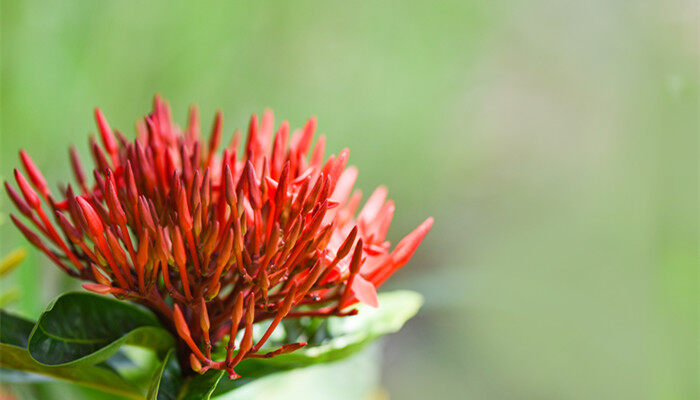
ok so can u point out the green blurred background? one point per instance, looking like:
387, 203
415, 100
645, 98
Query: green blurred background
554, 142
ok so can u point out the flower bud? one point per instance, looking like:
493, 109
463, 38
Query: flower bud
98, 288
34, 173
106, 132
195, 364
29, 194
94, 222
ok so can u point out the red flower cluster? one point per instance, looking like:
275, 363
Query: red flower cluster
229, 241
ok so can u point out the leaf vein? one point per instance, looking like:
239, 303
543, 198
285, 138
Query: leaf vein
71, 340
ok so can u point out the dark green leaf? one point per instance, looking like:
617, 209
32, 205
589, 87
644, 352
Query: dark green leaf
167, 380
200, 387
17, 358
14, 330
84, 328
14, 334
168, 383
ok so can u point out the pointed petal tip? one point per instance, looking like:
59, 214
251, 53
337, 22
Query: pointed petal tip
417, 235
408, 245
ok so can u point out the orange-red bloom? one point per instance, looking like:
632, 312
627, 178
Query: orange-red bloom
231, 239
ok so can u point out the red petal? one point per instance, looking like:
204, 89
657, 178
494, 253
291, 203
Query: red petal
406, 247
365, 291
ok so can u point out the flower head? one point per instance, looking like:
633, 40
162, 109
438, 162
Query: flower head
266, 232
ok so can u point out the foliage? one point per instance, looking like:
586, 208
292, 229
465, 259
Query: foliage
75, 337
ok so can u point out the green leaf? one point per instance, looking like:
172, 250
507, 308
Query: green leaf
84, 328
19, 359
14, 330
200, 387
349, 335
14, 334
118, 361
167, 380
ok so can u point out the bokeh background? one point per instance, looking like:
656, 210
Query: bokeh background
554, 142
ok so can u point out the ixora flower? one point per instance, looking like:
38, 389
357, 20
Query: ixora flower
214, 242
